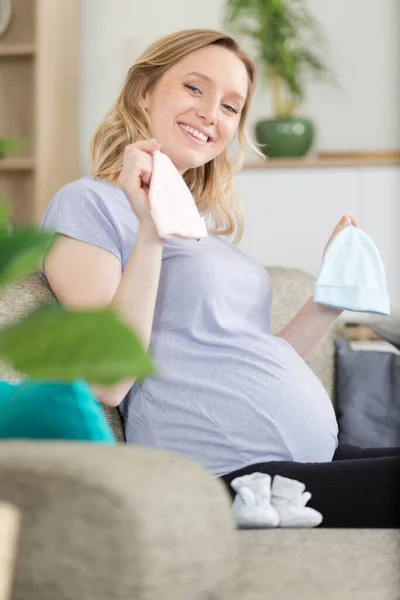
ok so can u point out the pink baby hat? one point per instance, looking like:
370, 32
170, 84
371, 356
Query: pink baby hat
172, 206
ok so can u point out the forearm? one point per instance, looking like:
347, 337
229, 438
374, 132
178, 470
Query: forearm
309, 326
135, 300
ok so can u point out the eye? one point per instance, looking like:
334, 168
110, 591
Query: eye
230, 108
192, 87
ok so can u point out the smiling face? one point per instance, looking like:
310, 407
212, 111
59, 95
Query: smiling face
195, 107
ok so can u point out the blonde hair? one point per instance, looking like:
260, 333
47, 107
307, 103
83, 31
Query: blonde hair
211, 184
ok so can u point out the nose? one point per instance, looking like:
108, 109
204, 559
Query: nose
208, 110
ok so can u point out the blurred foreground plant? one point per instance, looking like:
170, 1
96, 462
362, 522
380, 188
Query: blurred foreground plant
53, 343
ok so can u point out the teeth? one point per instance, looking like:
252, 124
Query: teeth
194, 132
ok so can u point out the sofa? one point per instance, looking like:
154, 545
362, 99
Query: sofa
132, 523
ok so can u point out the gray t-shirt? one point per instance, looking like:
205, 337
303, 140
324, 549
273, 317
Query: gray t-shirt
227, 393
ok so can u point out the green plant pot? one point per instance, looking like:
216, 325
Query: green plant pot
285, 136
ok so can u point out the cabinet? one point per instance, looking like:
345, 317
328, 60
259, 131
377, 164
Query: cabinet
39, 62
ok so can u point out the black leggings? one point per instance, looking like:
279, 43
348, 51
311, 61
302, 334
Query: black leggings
359, 488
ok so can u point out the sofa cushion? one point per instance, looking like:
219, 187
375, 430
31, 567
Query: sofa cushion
323, 564
116, 422
368, 396
51, 411
117, 523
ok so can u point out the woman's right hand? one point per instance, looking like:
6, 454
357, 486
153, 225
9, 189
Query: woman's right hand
135, 176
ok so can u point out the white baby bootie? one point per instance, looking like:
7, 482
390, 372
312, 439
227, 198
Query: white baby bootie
289, 500
252, 504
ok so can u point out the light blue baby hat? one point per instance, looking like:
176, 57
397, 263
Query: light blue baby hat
352, 274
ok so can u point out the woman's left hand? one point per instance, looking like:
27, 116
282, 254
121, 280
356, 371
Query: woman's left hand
344, 222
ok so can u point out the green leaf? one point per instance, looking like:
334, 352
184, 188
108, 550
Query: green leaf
54, 344
21, 253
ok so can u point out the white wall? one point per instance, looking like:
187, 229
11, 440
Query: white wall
364, 38
364, 48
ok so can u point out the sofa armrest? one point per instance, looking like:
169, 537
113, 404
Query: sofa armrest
101, 522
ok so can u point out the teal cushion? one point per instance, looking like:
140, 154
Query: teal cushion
52, 411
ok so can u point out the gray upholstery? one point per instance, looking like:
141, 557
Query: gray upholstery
18, 300
121, 523
116, 422
131, 523
320, 564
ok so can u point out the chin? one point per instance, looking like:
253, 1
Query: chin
184, 163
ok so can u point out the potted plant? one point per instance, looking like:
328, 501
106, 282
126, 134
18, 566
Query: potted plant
285, 36
55, 344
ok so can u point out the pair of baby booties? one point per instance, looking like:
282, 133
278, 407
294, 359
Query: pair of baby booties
263, 503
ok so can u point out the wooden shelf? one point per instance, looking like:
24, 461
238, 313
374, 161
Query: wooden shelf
347, 159
16, 50
37, 105
16, 164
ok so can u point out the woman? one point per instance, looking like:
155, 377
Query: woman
228, 393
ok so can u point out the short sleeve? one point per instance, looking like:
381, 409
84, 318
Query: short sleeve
82, 214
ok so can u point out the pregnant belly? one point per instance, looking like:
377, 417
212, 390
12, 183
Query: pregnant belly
304, 414
275, 401
259, 399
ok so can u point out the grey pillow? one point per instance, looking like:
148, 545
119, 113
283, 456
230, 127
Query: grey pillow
387, 328
367, 397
